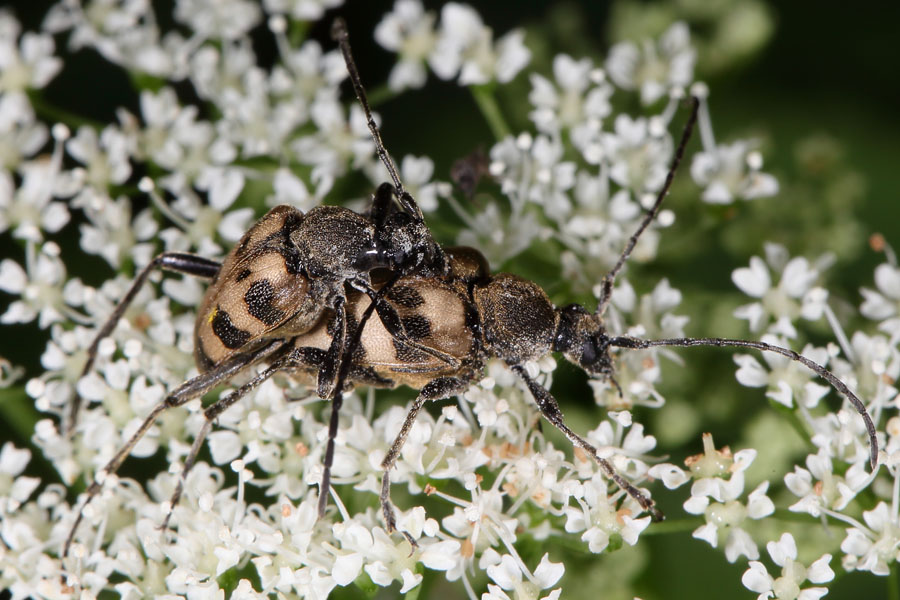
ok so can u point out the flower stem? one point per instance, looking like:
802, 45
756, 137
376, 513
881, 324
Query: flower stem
893, 586
487, 103
18, 412
380, 95
673, 526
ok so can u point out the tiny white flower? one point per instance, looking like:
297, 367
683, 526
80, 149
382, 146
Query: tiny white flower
465, 47
218, 20
572, 100
784, 302
304, 10
793, 573
876, 545
409, 31
654, 68
30, 63
727, 174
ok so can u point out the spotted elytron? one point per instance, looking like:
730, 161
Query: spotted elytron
298, 293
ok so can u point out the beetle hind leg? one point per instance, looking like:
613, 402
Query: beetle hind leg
187, 391
178, 262
436, 389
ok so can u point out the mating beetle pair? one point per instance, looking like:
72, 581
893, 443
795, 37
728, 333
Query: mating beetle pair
350, 299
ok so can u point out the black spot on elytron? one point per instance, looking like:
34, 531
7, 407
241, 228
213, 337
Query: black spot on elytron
230, 336
407, 354
417, 327
259, 298
405, 296
243, 275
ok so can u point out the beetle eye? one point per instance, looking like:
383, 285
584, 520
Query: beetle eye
588, 352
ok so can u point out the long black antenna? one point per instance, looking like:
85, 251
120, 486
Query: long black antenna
636, 343
340, 35
610, 278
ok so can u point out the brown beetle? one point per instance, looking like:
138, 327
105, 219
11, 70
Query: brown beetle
474, 315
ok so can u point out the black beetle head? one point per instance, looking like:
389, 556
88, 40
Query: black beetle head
582, 339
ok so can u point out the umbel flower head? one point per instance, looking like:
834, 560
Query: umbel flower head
238, 107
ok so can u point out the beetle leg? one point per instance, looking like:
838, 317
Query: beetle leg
179, 262
550, 409
328, 368
192, 388
212, 412
343, 372
436, 389
391, 320
381, 204
325, 486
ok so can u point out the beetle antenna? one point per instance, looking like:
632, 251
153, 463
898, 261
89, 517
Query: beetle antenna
340, 35
831, 378
610, 278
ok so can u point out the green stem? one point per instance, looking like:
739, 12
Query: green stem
487, 103
893, 586
18, 412
413, 594
19, 417
380, 95
673, 526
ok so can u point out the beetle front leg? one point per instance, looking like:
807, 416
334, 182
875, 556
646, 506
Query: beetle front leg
330, 362
550, 410
211, 413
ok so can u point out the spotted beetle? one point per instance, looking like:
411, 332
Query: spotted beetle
287, 274
284, 297
474, 315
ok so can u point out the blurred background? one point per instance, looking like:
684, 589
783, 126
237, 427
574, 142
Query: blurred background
817, 83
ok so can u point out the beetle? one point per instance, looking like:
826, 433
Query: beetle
474, 315
441, 316
289, 272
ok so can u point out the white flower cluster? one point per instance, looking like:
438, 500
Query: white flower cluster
462, 48
837, 473
247, 524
